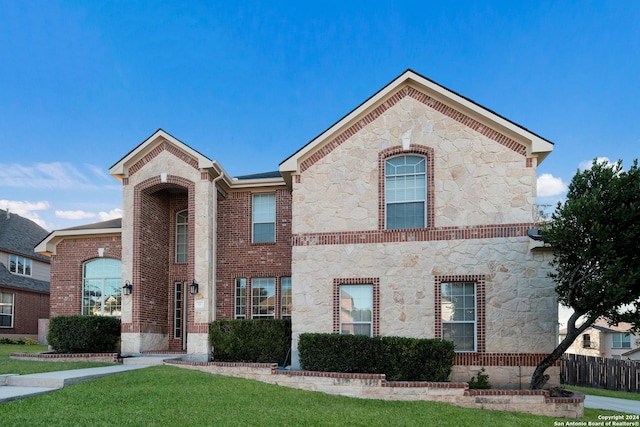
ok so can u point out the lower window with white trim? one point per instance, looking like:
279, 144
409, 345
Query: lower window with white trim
458, 309
6, 309
356, 309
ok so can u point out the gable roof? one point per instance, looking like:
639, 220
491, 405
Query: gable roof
433, 94
48, 245
120, 169
19, 235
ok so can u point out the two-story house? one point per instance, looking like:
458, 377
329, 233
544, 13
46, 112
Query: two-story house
24, 277
409, 216
604, 340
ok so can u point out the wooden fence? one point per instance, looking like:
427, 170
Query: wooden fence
598, 372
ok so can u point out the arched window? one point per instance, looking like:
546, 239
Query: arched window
405, 192
102, 287
182, 222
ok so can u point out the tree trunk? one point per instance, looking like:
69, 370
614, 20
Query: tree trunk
538, 379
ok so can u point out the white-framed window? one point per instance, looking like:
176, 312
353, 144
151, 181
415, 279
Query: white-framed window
182, 236
621, 340
20, 265
356, 309
263, 215
178, 295
285, 297
263, 298
405, 192
241, 298
6, 309
459, 320
102, 287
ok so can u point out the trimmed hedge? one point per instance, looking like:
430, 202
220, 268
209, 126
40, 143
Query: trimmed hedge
251, 341
83, 334
399, 358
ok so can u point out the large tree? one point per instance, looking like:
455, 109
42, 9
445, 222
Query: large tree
595, 238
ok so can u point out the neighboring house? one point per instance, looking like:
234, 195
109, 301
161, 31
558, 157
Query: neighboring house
602, 340
407, 217
24, 277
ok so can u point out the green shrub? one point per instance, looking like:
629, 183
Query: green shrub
252, 341
84, 334
480, 382
399, 358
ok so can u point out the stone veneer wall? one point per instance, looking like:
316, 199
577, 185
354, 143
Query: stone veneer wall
481, 200
372, 386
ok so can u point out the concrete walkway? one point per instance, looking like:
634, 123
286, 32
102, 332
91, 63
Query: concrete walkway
622, 406
13, 386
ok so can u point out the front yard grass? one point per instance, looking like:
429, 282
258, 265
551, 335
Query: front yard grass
171, 396
22, 367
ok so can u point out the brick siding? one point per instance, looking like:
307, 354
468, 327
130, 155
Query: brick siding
66, 270
238, 257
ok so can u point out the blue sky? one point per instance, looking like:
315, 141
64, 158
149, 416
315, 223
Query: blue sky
249, 83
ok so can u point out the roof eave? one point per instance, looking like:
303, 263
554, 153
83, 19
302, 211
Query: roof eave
49, 244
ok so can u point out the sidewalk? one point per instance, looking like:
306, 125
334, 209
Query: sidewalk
622, 406
13, 387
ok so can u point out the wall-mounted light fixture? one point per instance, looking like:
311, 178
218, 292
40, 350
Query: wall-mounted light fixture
193, 288
127, 288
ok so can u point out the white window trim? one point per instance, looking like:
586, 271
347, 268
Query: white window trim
424, 200
13, 309
253, 302
254, 222
282, 315
475, 316
370, 322
186, 245
240, 302
25, 261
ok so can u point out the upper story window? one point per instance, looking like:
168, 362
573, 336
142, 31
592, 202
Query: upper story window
405, 192
264, 218
586, 341
621, 340
6, 310
182, 222
102, 287
20, 265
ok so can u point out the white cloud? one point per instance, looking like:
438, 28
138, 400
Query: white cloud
549, 186
43, 175
78, 214
586, 164
112, 214
26, 209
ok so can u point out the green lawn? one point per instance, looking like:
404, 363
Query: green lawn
22, 367
171, 396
